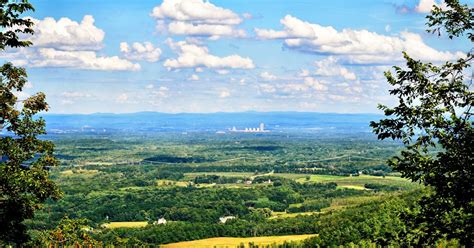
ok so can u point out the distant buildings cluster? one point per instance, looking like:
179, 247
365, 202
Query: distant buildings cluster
260, 129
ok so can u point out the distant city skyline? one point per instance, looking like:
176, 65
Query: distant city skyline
259, 129
201, 56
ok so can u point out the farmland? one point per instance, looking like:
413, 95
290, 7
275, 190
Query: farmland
271, 185
234, 242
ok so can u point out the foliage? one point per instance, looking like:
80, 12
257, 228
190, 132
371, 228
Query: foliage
375, 221
10, 20
68, 233
24, 182
434, 120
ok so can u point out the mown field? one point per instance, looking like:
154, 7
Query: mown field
223, 242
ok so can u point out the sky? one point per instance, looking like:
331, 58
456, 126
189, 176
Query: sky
202, 56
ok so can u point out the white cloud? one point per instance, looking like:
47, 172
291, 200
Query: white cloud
122, 98
196, 17
425, 6
267, 88
303, 73
388, 28
21, 95
307, 88
66, 34
222, 72
315, 84
212, 30
150, 86
69, 44
330, 67
70, 97
247, 15
28, 85
267, 76
337, 97
88, 60
194, 77
161, 92
75, 94
67, 102
192, 55
198, 70
139, 51
224, 94
355, 46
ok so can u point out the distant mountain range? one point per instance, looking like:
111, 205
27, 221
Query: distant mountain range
162, 122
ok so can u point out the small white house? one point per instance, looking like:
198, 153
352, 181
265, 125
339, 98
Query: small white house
224, 219
161, 221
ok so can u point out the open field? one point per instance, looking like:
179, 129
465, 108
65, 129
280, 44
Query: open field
277, 215
340, 203
130, 224
343, 182
234, 242
356, 181
163, 182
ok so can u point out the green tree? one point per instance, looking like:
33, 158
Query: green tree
434, 121
68, 233
24, 183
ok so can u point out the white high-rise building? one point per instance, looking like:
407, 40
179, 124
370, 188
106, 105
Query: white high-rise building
262, 127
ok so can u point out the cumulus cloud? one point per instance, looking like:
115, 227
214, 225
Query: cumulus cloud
315, 84
354, 46
193, 55
69, 44
197, 18
267, 76
139, 51
330, 67
66, 34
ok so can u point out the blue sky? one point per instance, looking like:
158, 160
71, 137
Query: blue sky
234, 55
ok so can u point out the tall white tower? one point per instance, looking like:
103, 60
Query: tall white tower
262, 127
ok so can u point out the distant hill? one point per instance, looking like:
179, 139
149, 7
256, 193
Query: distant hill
153, 121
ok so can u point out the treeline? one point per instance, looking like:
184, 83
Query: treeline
181, 231
371, 224
110, 201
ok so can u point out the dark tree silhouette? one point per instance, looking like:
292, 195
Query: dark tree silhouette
434, 120
25, 159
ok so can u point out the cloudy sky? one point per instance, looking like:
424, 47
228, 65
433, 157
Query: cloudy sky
223, 55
